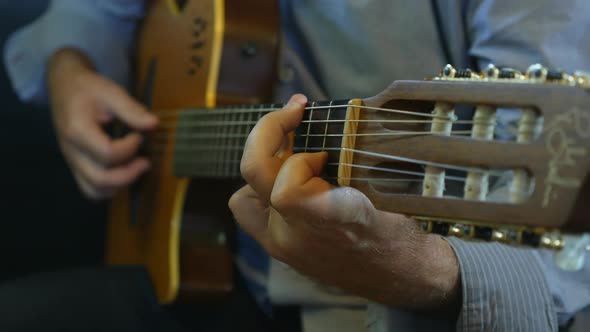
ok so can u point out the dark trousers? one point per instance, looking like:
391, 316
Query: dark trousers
122, 299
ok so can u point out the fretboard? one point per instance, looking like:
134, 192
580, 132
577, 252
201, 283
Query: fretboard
210, 142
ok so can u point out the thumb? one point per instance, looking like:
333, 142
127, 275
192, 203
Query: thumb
299, 191
124, 107
250, 212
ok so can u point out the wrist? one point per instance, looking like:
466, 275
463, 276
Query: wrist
426, 266
441, 276
64, 66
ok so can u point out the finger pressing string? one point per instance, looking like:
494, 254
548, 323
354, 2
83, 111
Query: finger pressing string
260, 163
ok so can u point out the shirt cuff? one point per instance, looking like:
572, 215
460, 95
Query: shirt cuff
96, 31
503, 289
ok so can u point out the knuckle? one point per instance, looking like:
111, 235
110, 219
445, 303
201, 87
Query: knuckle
95, 195
282, 199
281, 247
101, 181
89, 191
234, 202
360, 210
248, 170
275, 250
298, 158
106, 154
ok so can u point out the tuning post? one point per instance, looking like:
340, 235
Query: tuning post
491, 72
537, 73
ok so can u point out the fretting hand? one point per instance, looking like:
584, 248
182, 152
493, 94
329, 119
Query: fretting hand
82, 102
335, 235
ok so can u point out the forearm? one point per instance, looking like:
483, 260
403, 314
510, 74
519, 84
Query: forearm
63, 66
424, 263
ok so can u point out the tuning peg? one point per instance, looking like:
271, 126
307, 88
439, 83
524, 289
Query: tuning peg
426, 226
537, 73
500, 236
448, 72
491, 72
582, 79
456, 230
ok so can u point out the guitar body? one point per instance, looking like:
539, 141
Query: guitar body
190, 54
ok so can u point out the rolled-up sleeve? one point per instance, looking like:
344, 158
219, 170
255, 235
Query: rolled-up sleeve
103, 30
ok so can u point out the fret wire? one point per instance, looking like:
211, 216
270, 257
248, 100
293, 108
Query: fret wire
228, 153
221, 152
217, 152
236, 140
326, 128
309, 126
243, 130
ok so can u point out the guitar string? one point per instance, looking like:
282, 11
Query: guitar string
198, 124
230, 136
402, 159
382, 169
209, 112
397, 158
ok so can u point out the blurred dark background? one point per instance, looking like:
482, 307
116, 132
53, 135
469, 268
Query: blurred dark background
45, 223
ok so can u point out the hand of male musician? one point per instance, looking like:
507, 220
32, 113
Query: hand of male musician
335, 234
82, 103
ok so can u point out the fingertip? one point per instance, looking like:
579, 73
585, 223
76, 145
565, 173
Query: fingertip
296, 101
144, 164
145, 119
151, 121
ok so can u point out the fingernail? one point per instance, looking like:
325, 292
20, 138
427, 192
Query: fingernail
297, 101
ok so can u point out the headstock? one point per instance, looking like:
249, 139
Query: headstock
412, 154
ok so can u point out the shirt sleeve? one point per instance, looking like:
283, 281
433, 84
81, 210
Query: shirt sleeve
503, 289
506, 288
103, 30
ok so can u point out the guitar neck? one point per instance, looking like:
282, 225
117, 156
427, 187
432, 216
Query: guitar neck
210, 142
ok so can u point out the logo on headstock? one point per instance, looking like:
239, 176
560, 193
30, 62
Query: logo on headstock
562, 137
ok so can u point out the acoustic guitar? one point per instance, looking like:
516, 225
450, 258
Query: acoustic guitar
405, 149
190, 53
